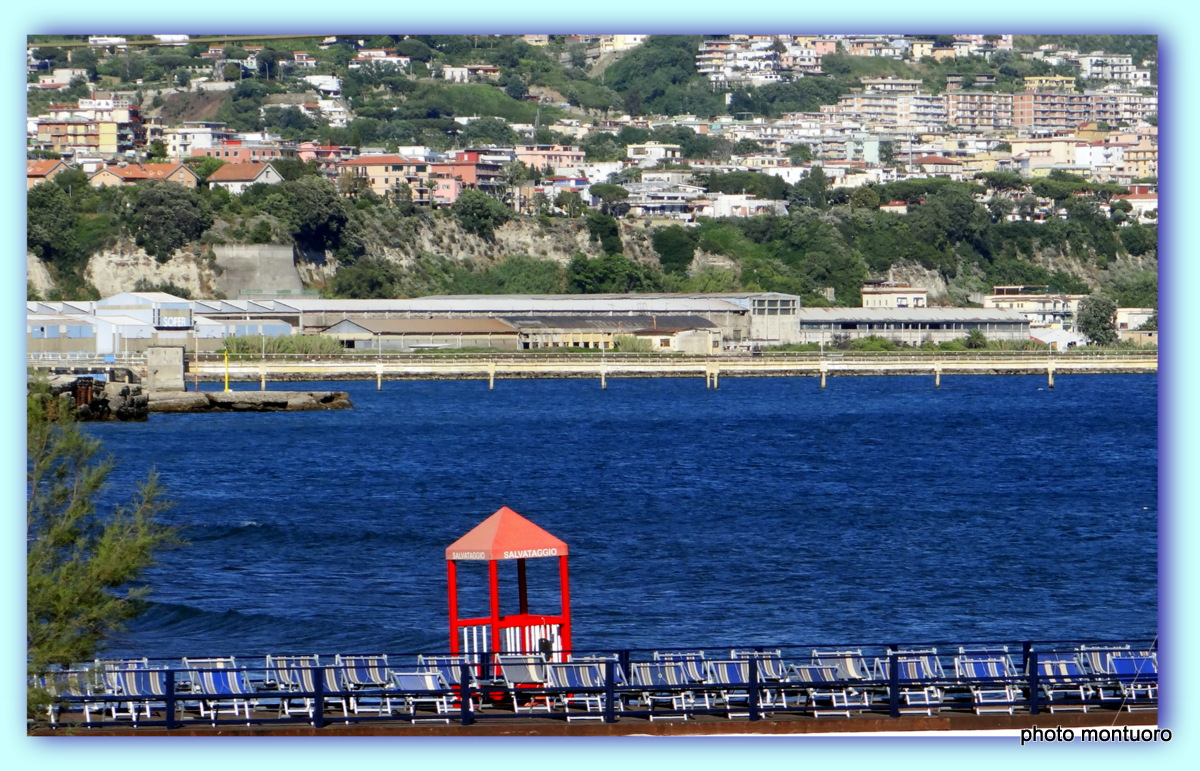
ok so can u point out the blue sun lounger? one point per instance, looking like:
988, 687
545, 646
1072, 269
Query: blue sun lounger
1063, 682
917, 678
850, 664
140, 690
365, 677
425, 687
225, 690
577, 682
732, 679
282, 672
770, 663
450, 667
991, 681
523, 673
70, 690
303, 698
663, 682
1137, 676
828, 691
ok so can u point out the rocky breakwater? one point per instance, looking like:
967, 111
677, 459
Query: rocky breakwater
91, 399
248, 401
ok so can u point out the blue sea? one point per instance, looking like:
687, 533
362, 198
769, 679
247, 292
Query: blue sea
770, 511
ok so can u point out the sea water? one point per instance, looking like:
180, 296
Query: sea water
769, 511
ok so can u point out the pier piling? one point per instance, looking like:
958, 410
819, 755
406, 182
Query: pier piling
491, 375
937, 377
1050, 377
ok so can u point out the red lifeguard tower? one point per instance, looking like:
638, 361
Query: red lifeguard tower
506, 535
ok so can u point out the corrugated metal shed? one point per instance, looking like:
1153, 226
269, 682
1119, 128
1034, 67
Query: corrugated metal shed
421, 326
607, 323
935, 315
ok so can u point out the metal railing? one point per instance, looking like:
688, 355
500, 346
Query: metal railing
51, 359
475, 693
915, 356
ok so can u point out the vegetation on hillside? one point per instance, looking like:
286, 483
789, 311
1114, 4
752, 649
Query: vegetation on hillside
833, 237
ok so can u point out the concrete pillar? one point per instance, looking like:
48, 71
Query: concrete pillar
823, 373
491, 375
164, 368
262, 375
1050, 377
603, 382
379, 376
937, 377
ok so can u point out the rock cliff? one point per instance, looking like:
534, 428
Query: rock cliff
212, 271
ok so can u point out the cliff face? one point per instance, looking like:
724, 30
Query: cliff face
207, 271
119, 270
227, 270
558, 242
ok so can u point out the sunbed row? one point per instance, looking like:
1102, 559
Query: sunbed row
668, 684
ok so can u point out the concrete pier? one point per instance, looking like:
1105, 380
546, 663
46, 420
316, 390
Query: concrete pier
711, 368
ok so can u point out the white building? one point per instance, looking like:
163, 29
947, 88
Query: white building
326, 84
653, 153
890, 294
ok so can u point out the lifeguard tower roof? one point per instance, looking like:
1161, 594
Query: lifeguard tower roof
506, 535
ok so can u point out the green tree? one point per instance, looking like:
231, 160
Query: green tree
83, 564
1138, 240
610, 273
864, 197
315, 214
612, 198
294, 168
156, 151
1097, 319
479, 213
168, 216
799, 153
676, 247
976, 340
488, 131
746, 147
517, 274
368, 278
401, 197
50, 227
205, 166
887, 152
603, 228
515, 174
570, 202
812, 190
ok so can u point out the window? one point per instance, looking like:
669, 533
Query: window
664, 342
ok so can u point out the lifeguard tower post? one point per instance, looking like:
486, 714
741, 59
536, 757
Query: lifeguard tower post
506, 535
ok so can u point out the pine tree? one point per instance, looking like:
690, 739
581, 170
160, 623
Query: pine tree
83, 563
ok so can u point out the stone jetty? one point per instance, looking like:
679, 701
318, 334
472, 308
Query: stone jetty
248, 401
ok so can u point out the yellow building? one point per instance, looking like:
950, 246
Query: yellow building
1050, 83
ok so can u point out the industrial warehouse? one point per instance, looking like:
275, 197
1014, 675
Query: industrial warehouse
131, 322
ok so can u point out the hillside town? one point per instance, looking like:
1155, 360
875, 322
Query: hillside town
1032, 135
